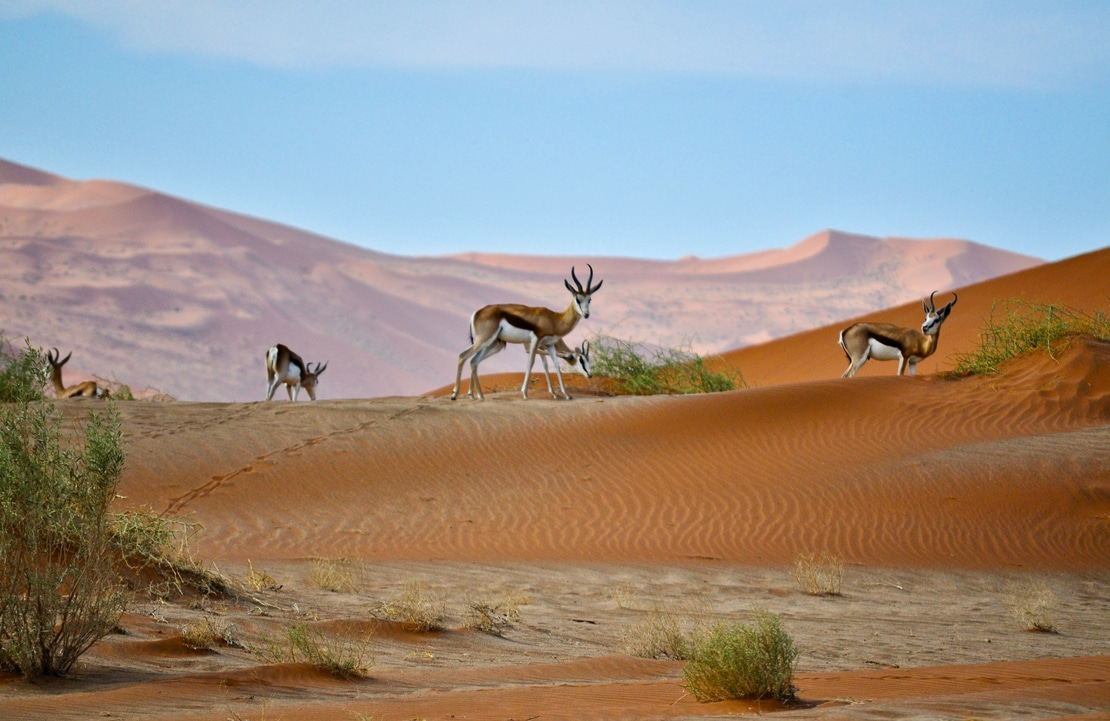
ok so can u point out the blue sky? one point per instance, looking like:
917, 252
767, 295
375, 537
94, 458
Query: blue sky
647, 129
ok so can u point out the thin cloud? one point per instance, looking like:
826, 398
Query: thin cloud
1031, 44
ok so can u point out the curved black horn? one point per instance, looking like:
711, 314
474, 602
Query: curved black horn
954, 299
320, 368
590, 287
932, 305
576, 281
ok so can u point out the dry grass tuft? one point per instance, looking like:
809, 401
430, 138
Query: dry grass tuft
341, 575
1033, 605
344, 658
818, 574
414, 609
207, 632
257, 580
491, 618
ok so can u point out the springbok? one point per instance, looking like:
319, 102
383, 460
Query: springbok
285, 366
540, 329
88, 389
578, 360
884, 341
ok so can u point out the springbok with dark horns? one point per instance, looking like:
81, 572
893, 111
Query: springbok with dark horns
88, 389
884, 341
285, 366
539, 329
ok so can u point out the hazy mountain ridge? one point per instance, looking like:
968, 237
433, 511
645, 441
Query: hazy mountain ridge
158, 291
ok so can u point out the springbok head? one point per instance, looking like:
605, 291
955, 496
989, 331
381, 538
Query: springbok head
934, 317
582, 295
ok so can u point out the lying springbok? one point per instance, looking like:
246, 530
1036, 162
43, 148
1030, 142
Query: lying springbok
540, 329
285, 366
88, 389
884, 341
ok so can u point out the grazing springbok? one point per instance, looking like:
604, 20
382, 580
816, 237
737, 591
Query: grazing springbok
884, 341
88, 389
540, 329
578, 360
285, 366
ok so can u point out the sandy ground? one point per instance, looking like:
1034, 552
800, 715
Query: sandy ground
947, 500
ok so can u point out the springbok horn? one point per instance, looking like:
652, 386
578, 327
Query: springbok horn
576, 281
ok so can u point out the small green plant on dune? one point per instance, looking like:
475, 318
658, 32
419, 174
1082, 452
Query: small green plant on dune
665, 372
734, 660
1016, 327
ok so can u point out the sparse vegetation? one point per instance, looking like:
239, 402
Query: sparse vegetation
341, 575
659, 634
60, 592
158, 548
668, 371
491, 618
1016, 327
818, 574
1033, 605
22, 374
414, 609
733, 660
257, 580
343, 658
208, 632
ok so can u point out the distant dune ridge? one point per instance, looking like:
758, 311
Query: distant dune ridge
160, 292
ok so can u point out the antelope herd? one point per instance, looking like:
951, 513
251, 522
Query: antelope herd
541, 331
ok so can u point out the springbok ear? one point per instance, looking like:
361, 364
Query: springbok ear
567, 284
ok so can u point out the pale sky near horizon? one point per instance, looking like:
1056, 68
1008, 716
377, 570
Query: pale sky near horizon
653, 129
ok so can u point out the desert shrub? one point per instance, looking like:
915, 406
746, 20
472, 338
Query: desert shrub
733, 660
343, 658
1016, 327
818, 574
1033, 605
414, 609
335, 574
668, 371
22, 373
60, 592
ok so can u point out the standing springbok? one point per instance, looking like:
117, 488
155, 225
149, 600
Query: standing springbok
88, 389
884, 341
285, 366
540, 329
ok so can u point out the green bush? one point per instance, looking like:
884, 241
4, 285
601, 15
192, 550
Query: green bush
669, 371
1016, 327
60, 593
733, 660
22, 375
